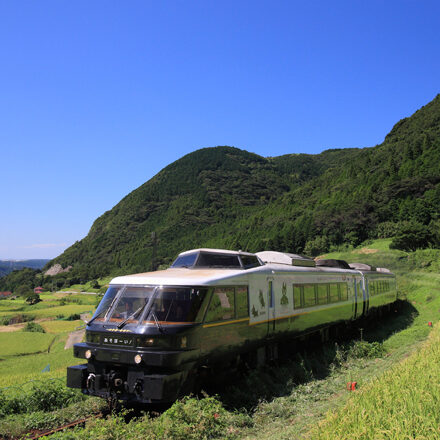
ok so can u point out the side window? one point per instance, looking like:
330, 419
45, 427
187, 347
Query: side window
241, 302
222, 305
334, 293
322, 293
309, 295
344, 291
297, 303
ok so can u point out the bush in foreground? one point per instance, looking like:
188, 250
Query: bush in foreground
46, 395
188, 419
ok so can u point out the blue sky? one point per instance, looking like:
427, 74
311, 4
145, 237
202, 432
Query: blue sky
97, 97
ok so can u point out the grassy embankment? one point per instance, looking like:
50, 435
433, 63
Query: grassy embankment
307, 397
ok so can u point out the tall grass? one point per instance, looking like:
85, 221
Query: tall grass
402, 404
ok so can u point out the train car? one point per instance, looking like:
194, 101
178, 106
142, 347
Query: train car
153, 333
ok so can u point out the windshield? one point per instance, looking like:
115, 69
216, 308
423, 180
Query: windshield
127, 304
131, 303
175, 305
185, 260
105, 303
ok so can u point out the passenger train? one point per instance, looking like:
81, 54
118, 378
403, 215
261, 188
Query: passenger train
153, 333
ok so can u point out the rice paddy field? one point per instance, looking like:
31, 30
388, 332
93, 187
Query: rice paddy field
26, 356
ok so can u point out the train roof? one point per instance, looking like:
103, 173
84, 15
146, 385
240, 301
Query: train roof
284, 258
180, 276
272, 262
362, 267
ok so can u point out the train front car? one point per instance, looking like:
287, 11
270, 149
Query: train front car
143, 342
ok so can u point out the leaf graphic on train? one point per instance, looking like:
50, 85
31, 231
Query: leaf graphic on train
261, 298
284, 300
254, 312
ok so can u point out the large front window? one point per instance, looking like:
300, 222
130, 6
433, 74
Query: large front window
132, 304
171, 304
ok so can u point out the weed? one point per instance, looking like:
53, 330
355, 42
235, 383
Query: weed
364, 349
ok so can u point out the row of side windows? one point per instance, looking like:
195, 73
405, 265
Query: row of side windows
378, 287
228, 303
309, 295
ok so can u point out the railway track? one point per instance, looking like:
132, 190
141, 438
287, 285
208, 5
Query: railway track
36, 434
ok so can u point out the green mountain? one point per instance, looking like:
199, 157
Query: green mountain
229, 198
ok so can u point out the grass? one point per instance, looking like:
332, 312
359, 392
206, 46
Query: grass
18, 370
57, 326
51, 312
402, 403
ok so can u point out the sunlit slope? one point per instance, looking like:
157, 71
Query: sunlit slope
403, 403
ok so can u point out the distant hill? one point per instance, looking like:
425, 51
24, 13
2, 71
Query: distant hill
7, 266
225, 197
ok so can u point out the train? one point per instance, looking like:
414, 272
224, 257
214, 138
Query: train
154, 334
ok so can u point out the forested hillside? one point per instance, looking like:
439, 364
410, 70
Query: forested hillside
7, 266
228, 198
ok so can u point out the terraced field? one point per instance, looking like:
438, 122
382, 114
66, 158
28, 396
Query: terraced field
24, 355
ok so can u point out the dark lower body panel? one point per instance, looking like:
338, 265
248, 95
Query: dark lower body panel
126, 383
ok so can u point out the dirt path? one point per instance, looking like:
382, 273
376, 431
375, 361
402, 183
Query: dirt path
74, 338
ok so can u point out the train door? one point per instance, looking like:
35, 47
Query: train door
353, 294
366, 295
362, 295
271, 305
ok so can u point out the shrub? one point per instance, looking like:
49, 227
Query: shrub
190, 417
47, 395
33, 299
94, 284
73, 317
364, 349
34, 327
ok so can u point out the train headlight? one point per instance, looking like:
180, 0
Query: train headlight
138, 359
88, 354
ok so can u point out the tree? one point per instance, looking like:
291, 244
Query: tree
317, 246
32, 299
412, 236
23, 291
